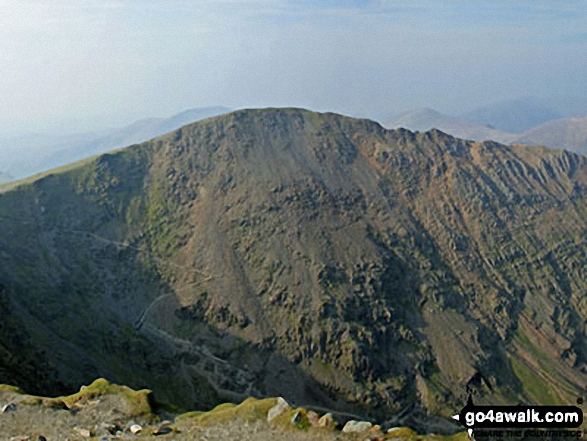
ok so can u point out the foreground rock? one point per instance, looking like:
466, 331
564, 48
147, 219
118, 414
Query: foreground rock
357, 427
106, 412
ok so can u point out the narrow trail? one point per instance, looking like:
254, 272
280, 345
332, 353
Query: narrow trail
139, 322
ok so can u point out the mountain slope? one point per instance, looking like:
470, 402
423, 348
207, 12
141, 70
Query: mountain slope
422, 120
568, 133
313, 256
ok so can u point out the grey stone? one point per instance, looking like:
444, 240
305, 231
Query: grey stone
296, 418
357, 426
326, 421
162, 430
278, 409
10, 407
135, 428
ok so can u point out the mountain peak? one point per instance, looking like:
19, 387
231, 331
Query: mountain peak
283, 252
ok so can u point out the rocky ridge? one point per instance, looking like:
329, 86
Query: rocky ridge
280, 252
106, 412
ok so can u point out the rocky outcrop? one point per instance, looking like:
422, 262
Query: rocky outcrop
381, 274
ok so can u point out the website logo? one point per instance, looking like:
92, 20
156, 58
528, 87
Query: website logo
518, 417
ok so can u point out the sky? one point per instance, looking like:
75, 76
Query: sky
73, 65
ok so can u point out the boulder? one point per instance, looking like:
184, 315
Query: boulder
162, 430
10, 407
313, 418
326, 421
353, 426
82, 432
135, 428
278, 409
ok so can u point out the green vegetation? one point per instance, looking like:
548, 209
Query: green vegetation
140, 403
251, 409
535, 386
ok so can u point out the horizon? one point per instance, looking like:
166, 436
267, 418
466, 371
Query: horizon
80, 66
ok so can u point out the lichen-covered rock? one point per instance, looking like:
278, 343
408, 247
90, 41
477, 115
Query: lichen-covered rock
353, 426
280, 407
326, 420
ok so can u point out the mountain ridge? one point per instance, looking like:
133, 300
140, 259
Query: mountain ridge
314, 256
566, 133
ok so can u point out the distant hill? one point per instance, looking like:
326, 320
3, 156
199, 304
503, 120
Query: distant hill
28, 155
325, 259
422, 120
569, 134
21, 155
514, 116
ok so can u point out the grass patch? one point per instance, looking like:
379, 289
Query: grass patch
13, 389
250, 410
140, 402
536, 386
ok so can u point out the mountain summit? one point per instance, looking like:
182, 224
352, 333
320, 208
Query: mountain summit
312, 256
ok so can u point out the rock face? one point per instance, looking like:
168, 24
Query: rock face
313, 256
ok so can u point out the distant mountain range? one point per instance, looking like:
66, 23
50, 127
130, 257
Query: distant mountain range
515, 116
567, 133
422, 120
27, 155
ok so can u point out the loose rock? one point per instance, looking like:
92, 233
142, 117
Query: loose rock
357, 426
162, 430
135, 428
326, 421
278, 409
313, 418
109, 428
10, 407
83, 432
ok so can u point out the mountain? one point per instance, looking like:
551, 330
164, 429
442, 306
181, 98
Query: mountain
567, 133
325, 259
422, 120
515, 116
36, 153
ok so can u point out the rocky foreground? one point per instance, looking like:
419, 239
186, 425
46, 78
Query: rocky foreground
104, 411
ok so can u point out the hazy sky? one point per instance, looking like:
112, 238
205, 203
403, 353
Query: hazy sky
72, 64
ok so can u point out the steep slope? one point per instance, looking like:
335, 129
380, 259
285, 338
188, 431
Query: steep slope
568, 133
422, 120
313, 256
